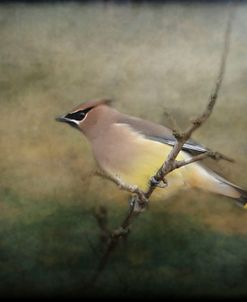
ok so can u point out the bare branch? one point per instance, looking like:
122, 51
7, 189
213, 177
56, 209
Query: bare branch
209, 154
140, 199
113, 240
181, 138
123, 186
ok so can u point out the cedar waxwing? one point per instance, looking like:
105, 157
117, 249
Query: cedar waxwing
133, 149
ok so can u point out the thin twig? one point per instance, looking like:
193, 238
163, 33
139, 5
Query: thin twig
209, 154
124, 186
113, 240
172, 120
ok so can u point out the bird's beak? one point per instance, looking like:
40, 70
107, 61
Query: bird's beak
61, 118
65, 119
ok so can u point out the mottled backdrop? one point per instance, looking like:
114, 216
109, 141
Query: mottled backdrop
148, 58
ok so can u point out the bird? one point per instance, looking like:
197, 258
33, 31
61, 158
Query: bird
133, 149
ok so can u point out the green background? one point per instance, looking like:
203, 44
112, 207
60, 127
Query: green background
148, 58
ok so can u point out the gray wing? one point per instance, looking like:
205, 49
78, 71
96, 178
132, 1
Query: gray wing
160, 133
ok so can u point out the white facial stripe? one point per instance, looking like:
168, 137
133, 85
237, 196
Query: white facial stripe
74, 111
71, 120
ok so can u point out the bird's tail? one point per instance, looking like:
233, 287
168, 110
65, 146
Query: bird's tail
242, 199
208, 180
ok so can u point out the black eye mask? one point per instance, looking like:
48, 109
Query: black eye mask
78, 115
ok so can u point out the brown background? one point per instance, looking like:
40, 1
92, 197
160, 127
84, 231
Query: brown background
148, 58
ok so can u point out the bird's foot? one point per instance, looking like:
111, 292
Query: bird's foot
156, 183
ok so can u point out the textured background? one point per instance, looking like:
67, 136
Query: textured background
147, 58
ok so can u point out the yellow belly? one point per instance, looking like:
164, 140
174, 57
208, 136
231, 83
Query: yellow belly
145, 162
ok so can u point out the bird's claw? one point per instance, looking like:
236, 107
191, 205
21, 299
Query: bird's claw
160, 184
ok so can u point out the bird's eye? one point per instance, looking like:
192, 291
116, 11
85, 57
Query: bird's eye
81, 115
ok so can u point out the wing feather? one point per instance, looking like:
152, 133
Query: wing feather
160, 133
